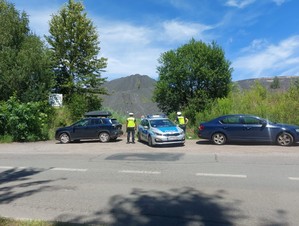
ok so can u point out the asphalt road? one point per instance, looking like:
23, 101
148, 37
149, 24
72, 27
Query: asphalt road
133, 184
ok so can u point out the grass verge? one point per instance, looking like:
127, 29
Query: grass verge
12, 222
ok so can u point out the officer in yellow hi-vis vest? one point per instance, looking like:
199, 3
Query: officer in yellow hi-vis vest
182, 121
131, 127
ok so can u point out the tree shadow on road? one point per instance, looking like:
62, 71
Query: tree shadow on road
146, 157
181, 207
17, 183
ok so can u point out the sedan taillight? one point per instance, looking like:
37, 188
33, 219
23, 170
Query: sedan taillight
201, 127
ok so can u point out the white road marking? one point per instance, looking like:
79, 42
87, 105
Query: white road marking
221, 175
6, 167
139, 172
54, 169
11, 167
293, 178
69, 169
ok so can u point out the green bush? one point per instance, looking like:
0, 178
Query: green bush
78, 104
276, 106
24, 121
6, 138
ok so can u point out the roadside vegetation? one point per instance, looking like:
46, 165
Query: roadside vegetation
13, 222
274, 105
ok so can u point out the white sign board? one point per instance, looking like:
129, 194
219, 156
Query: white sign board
55, 100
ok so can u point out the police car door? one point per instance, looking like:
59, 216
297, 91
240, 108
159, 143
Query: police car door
145, 127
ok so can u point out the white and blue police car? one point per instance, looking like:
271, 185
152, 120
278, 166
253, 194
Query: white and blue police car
159, 130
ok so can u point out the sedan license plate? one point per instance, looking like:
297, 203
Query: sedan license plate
172, 138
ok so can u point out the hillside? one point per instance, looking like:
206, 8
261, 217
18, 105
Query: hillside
131, 94
134, 93
284, 82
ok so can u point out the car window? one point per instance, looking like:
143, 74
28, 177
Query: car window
83, 122
106, 121
251, 120
231, 120
114, 121
144, 123
96, 121
161, 123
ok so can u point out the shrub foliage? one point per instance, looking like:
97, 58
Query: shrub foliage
24, 121
277, 106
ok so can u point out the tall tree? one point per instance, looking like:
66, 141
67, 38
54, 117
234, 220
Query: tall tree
24, 59
275, 84
191, 76
75, 48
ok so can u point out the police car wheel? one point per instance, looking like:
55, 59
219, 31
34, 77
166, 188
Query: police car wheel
150, 141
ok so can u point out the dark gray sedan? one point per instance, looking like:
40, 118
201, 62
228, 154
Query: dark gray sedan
248, 128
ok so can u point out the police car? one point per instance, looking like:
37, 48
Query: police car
159, 130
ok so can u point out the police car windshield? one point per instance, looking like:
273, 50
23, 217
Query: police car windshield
161, 123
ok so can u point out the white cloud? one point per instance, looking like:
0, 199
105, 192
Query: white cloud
239, 3
256, 45
279, 2
180, 31
180, 4
135, 49
129, 49
272, 59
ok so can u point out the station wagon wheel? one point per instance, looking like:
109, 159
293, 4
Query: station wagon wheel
285, 139
104, 137
219, 138
150, 141
64, 138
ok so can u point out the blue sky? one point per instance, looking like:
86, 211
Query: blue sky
259, 37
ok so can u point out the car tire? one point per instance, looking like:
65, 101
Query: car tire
64, 138
139, 137
219, 138
104, 137
150, 141
285, 139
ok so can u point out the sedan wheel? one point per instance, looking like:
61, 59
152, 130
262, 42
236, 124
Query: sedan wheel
219, 138
285, 139
104, 137
64, 138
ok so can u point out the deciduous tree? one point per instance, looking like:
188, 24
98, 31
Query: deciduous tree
191, 76
75, 51
24, 60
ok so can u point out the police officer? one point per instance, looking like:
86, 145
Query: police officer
182, 121
131, 127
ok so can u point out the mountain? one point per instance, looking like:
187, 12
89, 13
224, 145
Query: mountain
131, 94
283, 83
134, 93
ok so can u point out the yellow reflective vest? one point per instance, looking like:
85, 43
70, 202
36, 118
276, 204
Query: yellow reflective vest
131, 122
181, 120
